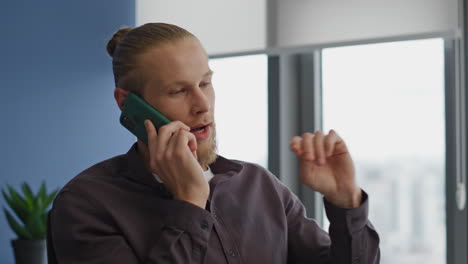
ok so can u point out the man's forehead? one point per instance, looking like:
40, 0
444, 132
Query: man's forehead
175, 63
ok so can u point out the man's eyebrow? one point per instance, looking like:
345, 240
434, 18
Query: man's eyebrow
207, 74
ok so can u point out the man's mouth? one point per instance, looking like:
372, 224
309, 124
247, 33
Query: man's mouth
201, 131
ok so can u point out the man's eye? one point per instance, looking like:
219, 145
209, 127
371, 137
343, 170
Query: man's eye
178, 91
205, 84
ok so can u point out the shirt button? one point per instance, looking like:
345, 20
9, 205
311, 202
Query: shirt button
204, 225
231, 253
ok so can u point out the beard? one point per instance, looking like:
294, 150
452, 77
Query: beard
206, 150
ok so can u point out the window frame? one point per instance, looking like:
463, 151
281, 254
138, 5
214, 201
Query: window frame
294, 93
308, 88
455, 105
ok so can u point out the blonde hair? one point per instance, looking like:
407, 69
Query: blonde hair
127, 44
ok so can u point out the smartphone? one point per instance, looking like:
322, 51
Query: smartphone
134, 114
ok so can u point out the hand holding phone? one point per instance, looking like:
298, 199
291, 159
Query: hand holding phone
182, 163
172, 156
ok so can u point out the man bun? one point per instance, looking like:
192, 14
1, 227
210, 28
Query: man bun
128, 44
118, 36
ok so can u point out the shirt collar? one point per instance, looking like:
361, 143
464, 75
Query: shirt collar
208, 175
222, 168
136, 169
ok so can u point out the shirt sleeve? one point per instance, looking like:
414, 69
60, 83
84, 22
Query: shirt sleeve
83, 233
185, 236
351, 237
354, 238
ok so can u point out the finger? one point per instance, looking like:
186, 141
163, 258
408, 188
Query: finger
339, 146
171, 147
186, 138
295, 145
319, 147
183, 140
330, 142
308, 147
173, 126
165, 133
191, 142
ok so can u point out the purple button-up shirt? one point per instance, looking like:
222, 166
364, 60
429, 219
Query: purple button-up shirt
116, 212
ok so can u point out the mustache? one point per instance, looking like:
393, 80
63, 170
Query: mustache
202, 122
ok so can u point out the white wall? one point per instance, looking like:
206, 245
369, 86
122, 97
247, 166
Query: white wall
221, 25
301, 22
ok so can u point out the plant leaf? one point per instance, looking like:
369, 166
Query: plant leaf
7, 198
28, 194
20, 231
17, 197
35, 226
16, 203
42, 191
40, 198
31, 209
40, 204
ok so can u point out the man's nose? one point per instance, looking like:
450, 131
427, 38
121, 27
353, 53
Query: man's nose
201, 102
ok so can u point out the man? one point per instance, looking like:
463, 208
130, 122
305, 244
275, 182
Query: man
176, 201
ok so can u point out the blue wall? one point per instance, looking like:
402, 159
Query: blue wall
58, 112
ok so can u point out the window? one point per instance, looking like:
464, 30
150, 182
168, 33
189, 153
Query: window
241, 115
387, 102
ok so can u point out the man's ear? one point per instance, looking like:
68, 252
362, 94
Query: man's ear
120, 95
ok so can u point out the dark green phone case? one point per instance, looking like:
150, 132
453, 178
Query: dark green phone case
134, 114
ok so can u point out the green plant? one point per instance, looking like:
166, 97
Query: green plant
30, 209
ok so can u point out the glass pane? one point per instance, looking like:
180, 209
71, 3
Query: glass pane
241, 111
387, 102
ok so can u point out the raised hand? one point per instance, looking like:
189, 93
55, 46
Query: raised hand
326, 166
